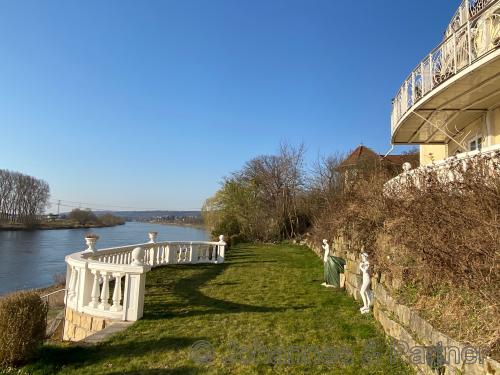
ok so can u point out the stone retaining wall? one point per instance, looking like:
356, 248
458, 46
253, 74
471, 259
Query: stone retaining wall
78, 326
410, 334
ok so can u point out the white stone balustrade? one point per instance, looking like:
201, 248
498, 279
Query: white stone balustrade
110, 283
448, 170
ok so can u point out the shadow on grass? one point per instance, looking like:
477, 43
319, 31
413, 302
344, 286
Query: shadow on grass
194, 302
54, 358
179, 370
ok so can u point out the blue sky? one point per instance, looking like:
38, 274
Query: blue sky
148, 104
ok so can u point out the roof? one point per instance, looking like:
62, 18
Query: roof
363, 154
401, 159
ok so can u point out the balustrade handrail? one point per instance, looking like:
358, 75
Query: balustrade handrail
145, 245
463, 45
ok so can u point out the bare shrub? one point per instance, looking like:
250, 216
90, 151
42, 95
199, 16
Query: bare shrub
451, 229
438, 233
22, 327
262, 200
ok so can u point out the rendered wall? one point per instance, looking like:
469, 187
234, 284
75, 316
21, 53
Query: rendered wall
430, 153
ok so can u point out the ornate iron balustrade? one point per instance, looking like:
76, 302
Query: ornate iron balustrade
472, 34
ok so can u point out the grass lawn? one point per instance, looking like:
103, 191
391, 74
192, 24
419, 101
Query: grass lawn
263, 311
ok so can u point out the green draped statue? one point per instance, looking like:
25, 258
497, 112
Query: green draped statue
333, 266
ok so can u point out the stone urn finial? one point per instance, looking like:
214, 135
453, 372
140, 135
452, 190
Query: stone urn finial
91, 240
221, 238
152, 237
138, 257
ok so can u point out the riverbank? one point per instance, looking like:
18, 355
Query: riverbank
179, 224
63, 224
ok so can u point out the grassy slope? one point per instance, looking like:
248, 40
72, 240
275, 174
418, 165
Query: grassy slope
263, 296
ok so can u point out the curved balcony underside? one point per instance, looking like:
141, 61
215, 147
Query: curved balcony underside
453, 105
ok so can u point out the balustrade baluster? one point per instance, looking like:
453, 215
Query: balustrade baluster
104, 305
192, 254
431, 73
455, 53
412, 88
168, 259
95, 290
117, 293
150, 256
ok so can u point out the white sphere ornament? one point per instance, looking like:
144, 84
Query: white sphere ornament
406, 167
138, 256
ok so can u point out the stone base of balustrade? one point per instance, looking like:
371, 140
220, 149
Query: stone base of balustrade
78, 326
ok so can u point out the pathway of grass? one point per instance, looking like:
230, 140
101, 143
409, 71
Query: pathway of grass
265, 304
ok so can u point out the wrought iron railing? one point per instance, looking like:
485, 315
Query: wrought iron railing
473, 33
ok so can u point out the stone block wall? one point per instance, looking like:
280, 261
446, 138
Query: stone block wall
78, 326
408, 332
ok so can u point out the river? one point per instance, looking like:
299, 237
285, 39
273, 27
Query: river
30, 259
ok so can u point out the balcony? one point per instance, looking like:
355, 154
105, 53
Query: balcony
456, 83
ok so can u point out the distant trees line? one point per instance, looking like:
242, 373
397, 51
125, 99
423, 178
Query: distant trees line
87, 217
23, 198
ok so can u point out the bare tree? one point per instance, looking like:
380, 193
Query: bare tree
23, 198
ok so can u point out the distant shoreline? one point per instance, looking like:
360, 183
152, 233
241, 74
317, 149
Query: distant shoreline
190, 225
52, 226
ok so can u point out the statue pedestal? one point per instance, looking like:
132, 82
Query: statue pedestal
328, 285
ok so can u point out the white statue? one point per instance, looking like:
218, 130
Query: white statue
364, 265
326, 247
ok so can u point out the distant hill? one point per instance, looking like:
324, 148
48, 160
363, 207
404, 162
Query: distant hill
149, 215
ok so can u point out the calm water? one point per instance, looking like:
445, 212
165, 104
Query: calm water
29, 259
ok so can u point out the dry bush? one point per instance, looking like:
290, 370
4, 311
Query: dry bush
357, 211
440, 239
22, 326
448, 237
